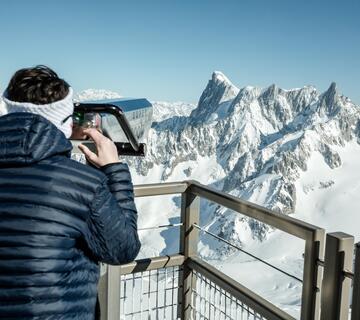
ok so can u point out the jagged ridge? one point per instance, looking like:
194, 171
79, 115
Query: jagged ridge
261, 139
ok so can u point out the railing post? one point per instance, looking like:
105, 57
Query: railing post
189, 237
335, 287
355, 309
113, 292
314, 251
109, 294
102, 292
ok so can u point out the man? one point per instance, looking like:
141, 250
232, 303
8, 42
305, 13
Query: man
58, 218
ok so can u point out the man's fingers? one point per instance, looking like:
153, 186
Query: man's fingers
95, 135
91, 156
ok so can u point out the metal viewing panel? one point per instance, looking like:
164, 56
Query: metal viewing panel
138, 112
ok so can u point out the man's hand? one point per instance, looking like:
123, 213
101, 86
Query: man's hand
106, 149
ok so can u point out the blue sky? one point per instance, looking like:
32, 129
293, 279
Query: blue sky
167, 50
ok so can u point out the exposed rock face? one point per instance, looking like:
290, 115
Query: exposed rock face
218, 92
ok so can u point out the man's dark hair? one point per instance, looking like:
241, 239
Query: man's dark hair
38, 85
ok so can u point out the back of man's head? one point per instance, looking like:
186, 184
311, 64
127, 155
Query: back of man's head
38, 85
40, 91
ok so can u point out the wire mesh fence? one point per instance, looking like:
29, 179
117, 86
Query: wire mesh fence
209, 301
154, 295
150, 294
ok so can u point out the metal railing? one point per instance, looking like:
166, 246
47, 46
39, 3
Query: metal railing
183, 286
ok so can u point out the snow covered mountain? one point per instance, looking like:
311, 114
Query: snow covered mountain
164, 110
294, 151
251, 142
95, 94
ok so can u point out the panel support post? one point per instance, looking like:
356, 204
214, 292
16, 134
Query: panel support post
103, 291
109, 293
189, 238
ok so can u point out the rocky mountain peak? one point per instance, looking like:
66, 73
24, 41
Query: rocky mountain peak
332, 89
270, 92
218, 90
219, 77
330, 102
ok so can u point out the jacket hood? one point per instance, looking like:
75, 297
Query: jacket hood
27, 138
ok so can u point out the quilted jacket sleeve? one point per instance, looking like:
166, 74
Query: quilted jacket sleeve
112, 223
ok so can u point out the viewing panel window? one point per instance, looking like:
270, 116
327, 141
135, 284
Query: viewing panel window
112, 128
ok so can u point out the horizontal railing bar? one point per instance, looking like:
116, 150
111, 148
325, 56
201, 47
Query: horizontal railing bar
283, 222
152, 264
320, 263
254, 301
173, 225
349, 274
132, 314
248, 253
157, 189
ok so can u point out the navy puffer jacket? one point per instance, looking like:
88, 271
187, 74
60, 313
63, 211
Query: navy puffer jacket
58, 219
